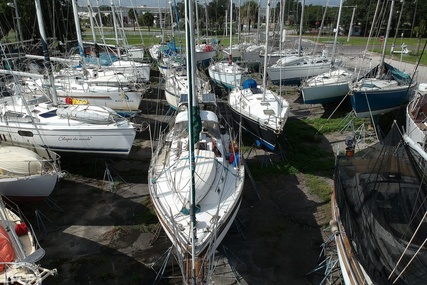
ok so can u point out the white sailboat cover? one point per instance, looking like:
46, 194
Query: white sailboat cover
19, 160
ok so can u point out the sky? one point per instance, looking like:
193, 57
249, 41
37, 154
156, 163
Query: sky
164, 3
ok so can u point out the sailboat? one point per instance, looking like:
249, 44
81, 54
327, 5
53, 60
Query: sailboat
20, 250
177, 86
259, 110
292, 69
28, 174
196, 178
228, 73
379, 211
384, 89
332, 85
40, 120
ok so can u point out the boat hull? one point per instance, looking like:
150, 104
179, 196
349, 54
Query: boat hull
91, 140
377, 102
324, 94
294, 74
218, 187
227, 75
28, 188
265, 136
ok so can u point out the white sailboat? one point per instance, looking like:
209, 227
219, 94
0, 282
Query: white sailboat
259, 110
332, 85
38, 120
177, 86
228, 74
28, 175
293, 68
195, 188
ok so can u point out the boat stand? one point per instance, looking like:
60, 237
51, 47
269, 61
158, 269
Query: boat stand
41, 225
361, 134
328, 263
249, 173
108, 178
160, 274
42, 218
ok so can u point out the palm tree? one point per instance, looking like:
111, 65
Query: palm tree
133, 16
249, 13
420, 31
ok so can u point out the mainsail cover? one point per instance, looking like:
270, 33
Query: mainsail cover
381, 194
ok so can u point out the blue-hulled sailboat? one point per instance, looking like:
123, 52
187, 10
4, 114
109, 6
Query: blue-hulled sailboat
383, 89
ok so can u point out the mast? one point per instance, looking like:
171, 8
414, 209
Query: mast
351, 24
162, 31
238, 23
300, 27
267, 23
230, 57
78, 31
258, 22
46, 52
92, 28
336, 34
197, 20
113, 14
18, 22
194, 124
206, 17
381, 69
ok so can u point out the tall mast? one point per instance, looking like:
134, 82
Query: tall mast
46, 52
300, 27
267, 24
113, 14
231, 30
78, 31
386, 36
193, 118
336, 34
18, 22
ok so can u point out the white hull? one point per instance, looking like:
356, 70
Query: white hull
118, 101
205, 52
327, 87
287, 70
26, 174
262, 115
227, 74
86, 129
177, 86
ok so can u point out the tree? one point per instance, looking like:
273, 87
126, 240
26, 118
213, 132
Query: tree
249, 13
419, 31
147, 19
216, 14
133, 15
57, 16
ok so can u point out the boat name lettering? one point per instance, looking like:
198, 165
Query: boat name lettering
74, 138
